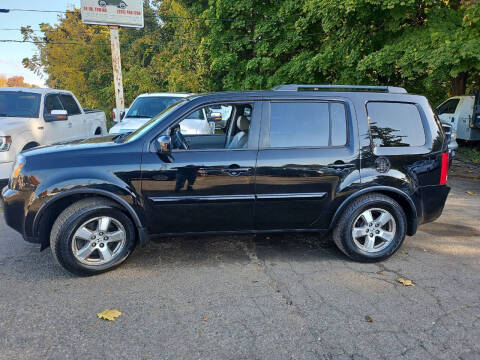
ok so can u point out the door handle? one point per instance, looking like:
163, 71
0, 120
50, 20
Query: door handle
341, 166
235, 171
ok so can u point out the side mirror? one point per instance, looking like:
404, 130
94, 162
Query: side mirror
122, 114
215, 116
164, 144
56, 115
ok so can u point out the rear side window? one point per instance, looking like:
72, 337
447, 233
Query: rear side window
395, 124
448, 107
70, 104
307, 124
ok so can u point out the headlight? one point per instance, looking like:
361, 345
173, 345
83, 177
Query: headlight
5, 142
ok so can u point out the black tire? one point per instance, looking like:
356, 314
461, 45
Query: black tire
72, 218
342, 233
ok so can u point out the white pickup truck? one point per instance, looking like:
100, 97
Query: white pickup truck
462, 113
32, 117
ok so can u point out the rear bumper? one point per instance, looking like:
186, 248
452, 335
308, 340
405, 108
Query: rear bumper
430, 201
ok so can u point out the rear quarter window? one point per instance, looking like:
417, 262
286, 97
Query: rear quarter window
395, 124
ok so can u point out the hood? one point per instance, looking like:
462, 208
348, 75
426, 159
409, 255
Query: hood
74, 145
128, 124
12, 124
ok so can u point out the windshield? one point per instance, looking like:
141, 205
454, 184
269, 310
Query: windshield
148, 107
19, 104
154, 121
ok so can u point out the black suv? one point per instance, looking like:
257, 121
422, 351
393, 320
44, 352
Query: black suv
368, 163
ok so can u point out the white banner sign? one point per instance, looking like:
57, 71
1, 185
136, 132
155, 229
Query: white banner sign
128, 13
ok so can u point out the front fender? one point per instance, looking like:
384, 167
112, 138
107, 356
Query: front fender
42, 201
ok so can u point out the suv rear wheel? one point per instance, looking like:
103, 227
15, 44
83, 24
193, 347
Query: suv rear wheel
371, 228
92, 236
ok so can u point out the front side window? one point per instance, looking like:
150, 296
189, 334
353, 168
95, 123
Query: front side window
395, 124
448, 107
219, 126
52, 102
150, 106
19, 104
307, 124
70, 104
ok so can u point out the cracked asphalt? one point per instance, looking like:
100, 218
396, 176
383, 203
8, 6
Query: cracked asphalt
283, 296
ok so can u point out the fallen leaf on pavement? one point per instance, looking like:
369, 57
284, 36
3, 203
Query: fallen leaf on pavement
469, 192
404, 252
109, 315
205, 319
405, 282
368, 319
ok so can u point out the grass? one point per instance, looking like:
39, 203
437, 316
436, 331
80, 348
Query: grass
469, 153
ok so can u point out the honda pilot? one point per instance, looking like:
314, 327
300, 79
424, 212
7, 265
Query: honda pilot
366, 164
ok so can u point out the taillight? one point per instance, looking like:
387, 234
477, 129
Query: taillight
113, 115
444, 171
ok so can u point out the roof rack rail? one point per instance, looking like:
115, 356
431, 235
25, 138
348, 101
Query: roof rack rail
341, 88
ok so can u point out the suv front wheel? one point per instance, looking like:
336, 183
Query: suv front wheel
371, 228
92, 236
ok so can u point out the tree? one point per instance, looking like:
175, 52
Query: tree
77, 57
3, 81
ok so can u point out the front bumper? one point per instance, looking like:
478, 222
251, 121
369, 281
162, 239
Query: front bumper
14, 211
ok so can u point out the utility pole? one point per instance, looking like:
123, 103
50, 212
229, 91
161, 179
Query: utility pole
117, 70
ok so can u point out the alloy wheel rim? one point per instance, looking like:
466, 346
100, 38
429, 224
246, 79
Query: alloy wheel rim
98, 241
374, 230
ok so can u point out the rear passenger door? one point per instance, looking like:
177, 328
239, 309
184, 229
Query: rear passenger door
308, 157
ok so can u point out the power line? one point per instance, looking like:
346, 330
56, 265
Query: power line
7, 29
255, 40
145, 15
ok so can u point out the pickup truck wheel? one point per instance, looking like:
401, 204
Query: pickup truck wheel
371, 228
92, 236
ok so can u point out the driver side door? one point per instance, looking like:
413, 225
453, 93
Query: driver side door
205, 187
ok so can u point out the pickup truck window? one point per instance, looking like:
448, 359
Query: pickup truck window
395, 124
70, 104
448, 107
19, 104
52, 102
307, 124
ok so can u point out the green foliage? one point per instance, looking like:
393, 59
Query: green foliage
426, 46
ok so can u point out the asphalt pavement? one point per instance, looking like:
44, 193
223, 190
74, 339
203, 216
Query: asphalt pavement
282, 296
